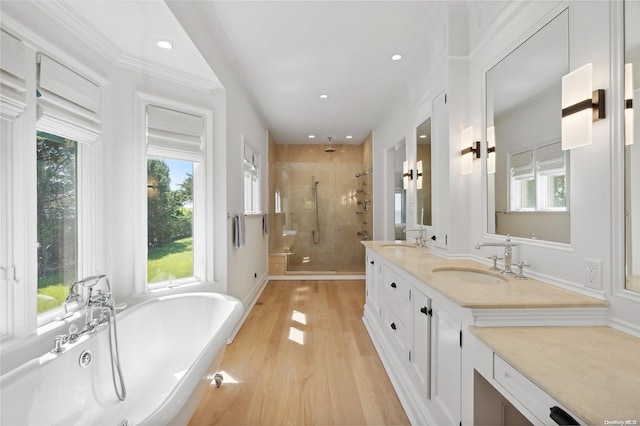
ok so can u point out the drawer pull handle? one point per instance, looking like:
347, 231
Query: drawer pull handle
372, 262
426, 311
561, 417
393, 325
393, 285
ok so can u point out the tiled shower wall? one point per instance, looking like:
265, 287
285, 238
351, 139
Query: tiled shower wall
341, 206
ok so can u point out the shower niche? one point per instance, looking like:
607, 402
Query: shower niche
320, 209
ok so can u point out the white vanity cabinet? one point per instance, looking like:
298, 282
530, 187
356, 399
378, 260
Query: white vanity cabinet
374, 274
418, 341
424, 327
446, 366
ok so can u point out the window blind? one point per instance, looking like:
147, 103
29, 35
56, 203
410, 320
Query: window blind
68, 103
174, 134
522, 164
550, 157
12, 76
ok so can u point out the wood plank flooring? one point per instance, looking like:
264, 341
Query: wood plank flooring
303, 357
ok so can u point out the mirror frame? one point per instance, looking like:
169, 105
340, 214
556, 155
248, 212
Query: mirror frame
417, 204
504, 53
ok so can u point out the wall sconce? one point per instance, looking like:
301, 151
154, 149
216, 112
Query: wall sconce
491, 150
419, 175
581, 106
153, 187
628, 104
469, 150
407, 174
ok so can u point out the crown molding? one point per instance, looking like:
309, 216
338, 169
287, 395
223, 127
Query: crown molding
84, 30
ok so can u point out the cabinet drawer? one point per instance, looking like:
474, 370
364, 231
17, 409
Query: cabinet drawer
537, 401
396, 332
396, 291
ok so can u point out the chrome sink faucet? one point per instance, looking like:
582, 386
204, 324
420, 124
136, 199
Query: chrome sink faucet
507, 252
421, 241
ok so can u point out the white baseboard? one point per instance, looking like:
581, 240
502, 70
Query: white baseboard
248, 303
303, 277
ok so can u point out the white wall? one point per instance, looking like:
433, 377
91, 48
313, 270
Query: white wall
120, 169
492, 30
243, 120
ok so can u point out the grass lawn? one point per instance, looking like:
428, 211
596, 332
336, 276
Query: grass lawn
51, 296
175, 259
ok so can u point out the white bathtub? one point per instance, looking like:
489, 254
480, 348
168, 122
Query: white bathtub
169, 349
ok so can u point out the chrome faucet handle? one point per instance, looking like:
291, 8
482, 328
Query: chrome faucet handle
521, 265
508, 242
58, 344
495, 259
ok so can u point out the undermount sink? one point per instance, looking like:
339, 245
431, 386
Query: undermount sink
459, 275
399, 245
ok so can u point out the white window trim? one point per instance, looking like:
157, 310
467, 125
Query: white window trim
536, 174
21, 217
203, 261
257, 161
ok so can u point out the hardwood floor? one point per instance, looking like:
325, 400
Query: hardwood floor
303, 357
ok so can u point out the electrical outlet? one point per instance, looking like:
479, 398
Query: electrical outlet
594, 273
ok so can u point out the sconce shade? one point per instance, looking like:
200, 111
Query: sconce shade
628, 104
419, 174
581, 105
491, 150
468, 150
153, 187
406, 174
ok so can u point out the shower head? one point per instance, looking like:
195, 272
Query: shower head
329, 148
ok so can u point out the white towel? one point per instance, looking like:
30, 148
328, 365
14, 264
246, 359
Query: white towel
265, 223
239, 231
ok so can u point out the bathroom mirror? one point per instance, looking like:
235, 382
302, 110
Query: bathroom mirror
423, 178
527, 172
399, 193
632, 143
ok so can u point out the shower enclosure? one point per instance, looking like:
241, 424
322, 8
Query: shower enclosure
319, 214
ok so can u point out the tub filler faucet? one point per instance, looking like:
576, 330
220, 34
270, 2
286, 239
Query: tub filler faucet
507, 252
102, 300
99, 300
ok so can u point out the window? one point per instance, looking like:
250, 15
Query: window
251, 167
174, 206
538, 179
67, 128
169, 219
5, 137
57, 219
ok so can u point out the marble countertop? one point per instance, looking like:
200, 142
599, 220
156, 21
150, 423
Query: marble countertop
507, 293
592, 371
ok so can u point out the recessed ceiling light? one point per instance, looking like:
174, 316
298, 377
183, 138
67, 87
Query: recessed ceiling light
324, 96
312, 136
396, 57
423, 136
349, 137
164, 44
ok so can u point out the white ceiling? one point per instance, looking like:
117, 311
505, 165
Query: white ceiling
127, 31
290, 52
287, 54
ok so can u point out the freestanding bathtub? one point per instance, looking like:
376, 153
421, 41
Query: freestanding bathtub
169, 349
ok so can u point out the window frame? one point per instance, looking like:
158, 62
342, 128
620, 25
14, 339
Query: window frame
254, 198
531, 171
203, 228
